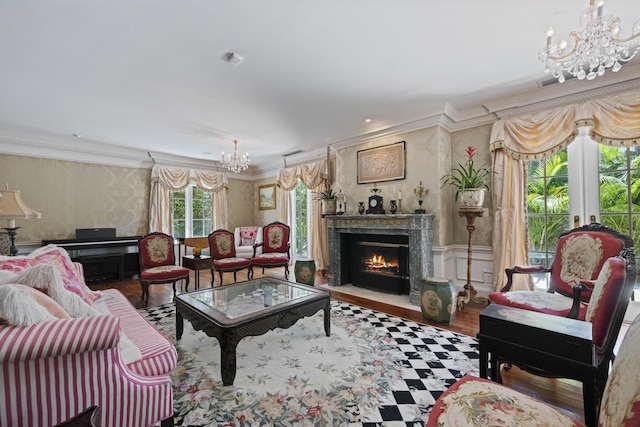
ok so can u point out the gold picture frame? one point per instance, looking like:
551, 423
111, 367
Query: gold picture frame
385, 163
267, 197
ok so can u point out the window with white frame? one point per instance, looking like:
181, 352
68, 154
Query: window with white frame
191, 212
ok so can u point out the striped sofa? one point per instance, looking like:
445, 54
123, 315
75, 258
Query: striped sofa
53, 370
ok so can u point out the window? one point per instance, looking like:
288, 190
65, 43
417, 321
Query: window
191, 212
301, 213
587, 182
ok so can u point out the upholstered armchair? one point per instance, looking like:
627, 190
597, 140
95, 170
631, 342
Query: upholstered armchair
223, 251
245, 237
275, 248
580, 254
474, 401
158, 263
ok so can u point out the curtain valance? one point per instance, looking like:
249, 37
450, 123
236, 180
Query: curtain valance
311, 175
179, 178
165, 179
613, 121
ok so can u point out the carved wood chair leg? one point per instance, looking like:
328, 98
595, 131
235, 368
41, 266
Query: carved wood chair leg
234, 277
220, 273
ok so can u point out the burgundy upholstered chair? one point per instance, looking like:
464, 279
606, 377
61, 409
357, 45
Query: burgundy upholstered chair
472, 401
223, 252
157, 263
579, 256
275, 248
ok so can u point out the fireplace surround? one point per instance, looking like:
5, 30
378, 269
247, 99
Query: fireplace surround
417, 227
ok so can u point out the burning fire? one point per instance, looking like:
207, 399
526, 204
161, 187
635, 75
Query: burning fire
377, 261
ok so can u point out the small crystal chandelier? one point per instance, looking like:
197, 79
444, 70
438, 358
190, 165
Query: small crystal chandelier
593, 48
234, 162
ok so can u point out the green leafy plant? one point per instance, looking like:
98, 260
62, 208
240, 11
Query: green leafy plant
467, 176
327, 194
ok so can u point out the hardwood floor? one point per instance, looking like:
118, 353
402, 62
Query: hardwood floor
565, 395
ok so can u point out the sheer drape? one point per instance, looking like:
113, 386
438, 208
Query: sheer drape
313, 176
165, 179
613, 121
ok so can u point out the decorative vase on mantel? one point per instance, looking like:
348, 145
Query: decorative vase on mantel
329, 207
472, 197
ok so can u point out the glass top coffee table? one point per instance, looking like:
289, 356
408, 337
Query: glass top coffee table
232, 312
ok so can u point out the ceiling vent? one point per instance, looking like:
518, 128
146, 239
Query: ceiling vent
292, 153
552, 80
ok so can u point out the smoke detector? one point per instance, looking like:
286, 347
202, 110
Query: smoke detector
233, 58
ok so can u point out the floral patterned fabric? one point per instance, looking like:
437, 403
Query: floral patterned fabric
223, 244
57, 257
621, 400
479, 402
248, 235
277, 238
157, 250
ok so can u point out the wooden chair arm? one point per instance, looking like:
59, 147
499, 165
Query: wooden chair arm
521, 269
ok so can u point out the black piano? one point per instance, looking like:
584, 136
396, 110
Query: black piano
101, 253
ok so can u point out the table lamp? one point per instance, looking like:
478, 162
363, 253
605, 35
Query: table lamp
11, 208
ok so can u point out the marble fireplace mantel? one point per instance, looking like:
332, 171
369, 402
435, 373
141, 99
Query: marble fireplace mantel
418, 227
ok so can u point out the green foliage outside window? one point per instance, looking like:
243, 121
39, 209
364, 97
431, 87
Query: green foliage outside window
302, 233
548, 198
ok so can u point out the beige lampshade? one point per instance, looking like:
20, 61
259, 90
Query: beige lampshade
12, 207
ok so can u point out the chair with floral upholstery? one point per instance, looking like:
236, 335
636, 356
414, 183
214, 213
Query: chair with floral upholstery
223, 251
275, 248
473, 401
158, 263
580, 254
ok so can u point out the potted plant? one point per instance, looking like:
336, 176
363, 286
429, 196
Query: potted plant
328, 198
469, 181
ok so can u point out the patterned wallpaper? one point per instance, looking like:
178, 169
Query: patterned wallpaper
242, 203
72, 195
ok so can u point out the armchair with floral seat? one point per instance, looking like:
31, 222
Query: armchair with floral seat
475, 401
579, 256
609, 301
158, 263
223, 252
275, 248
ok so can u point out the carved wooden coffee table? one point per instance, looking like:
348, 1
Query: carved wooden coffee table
232, 312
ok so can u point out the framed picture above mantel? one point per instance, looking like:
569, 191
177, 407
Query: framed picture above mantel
385, 163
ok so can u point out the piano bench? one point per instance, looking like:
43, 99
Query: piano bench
98, 261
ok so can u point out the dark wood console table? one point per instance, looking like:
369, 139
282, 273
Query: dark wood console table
557, 345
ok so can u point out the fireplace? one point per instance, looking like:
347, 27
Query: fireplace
415, 230
380, 263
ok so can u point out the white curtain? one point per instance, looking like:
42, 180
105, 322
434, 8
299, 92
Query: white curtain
314, 176
614, 121
166, 179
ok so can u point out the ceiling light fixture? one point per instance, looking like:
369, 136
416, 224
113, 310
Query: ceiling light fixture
234, 162
592, 49
233, 58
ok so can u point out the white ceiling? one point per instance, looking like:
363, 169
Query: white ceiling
149, 76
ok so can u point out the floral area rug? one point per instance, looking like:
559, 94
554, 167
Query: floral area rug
374, 370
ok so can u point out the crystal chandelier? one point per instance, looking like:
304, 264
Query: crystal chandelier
234, 162
593, 48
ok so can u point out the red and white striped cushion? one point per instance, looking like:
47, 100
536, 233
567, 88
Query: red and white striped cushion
159, 356
54, 370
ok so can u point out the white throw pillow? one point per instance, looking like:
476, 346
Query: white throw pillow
46, 277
